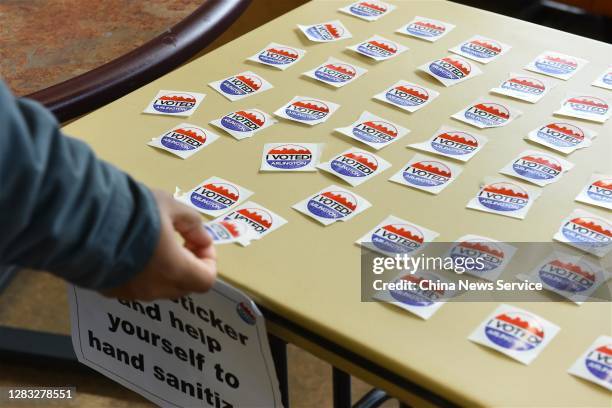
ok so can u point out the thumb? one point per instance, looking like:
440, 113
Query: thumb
199, 273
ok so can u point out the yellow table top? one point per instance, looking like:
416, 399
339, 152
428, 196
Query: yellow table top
310, 273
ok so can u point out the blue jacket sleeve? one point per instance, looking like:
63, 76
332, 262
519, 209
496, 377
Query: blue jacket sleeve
65, 211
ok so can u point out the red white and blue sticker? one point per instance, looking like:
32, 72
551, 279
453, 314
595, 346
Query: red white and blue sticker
426, 29
515, 332
310, 111
588, 107
407, 96
378, 48
259, 219
454, 143
451, 70
326, 32
595, 364
374, 131
394, 235
487, 113
557, 65
184, 140
562, 136
336, 73
368, 10
481, 49
244, 123
174, 103
524, 87
598, 191
241, 85
230, 231
604, 80
214, 196
586, 231
278, 56
427, 174
493, 255
291, 156
355, 166
333, 204
504, 197
537, 167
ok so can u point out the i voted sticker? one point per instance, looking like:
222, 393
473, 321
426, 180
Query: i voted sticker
586, 107
504, 197
259, 219
394, 235
515, 332
598, 191
524, 87
562, 136
427, 174
326, 32
537, 167
587, 232
214, 196
454, 143
426, 29
310, 111
595, 364
174, 103
486, 113
241, 85
407, 96
556, 65
332, 204
184, 140
336, 73
291, 156
451, 70
355, 166
244, 123
229, 232
605, 79
481, 49
278, 56
378, 48
488, 257
374, 131
368, 10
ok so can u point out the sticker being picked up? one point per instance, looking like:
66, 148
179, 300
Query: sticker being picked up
605, 79
290, 156
407, 96
258, 218
307, 110
523, 87
595, 364
587, 232
332, 204
396, 236
537, 167
485, 113
244, 123
585, 107
278, 56
481, 49
556, 65
336, 73
230, 231
451, 70
426, 28
374, 131
368, 10
378, 48
499, 196
598, 191
424, 173
241, 85
174, 103
213, 196
453, 143
184, 140
515, 332
563, 137
489, 257
355, 166
325, 32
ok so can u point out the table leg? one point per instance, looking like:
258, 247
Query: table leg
342, 389
278, 347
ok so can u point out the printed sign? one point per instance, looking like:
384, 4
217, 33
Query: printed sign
537, 167
332, 204
587, 232
503, 197
585, 107
326, 32
174, 103
595, 364
454, 143
426, 29
524, 87
241, 85
278, 56
310, 111
556, 65
368, 10
598, 191
427, 174
244, 123
374, 131
481, 49
214, 196
378, 48
355, 166
291, 156
336, 73
407, 96
184, 140
562, 137
485, 113
397, 236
